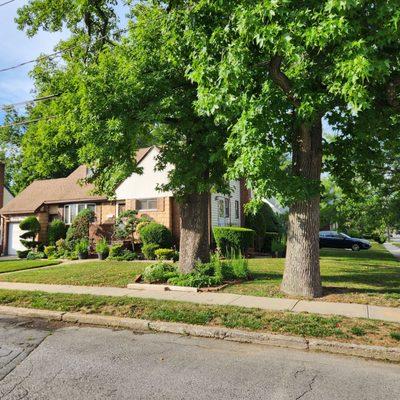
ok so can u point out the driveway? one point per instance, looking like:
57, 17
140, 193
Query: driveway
39, 361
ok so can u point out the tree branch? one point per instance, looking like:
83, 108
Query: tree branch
391, 93
282, 80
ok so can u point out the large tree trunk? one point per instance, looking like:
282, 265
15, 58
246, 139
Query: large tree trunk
194, 239
302, 271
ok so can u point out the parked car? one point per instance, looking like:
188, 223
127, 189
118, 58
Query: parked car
339, 240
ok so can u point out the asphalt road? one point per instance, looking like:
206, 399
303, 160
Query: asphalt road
41, 361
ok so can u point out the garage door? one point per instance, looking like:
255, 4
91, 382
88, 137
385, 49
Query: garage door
14, 243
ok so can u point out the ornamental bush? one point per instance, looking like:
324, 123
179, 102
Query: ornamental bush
157, 234
57, 231
233, 238
149, 250
159, 273
32, 227
116, 250
166, 254
79, 228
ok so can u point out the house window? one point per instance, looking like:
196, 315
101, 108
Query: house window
227, 208
146, 204
221, 208
237, 209
72, 210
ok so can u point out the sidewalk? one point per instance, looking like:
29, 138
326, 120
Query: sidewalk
394, 250
390, 314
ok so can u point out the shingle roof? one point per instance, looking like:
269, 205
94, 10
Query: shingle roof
61, 190
52, 191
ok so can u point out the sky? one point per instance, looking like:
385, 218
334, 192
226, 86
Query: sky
16, 47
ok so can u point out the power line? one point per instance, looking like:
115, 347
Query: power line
6, 2
21, 103
55, 54
29, 121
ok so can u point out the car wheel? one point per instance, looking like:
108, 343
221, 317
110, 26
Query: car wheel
355, 247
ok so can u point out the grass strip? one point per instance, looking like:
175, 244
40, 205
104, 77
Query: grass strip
20, 265
302, 324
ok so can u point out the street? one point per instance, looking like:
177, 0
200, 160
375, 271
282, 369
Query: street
53, 361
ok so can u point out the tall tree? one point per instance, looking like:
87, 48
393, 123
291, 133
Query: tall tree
130, 95
274, 70
137, 91
11, 134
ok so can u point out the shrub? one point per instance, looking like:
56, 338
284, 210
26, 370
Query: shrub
143, 222
33, 255
149, 250
79, 228
278, 246
57, 231
233, 238
102, 248
50, 251
263, 221
125, 255
32, 227
166, 254
82, 248
268, 239
239, 265
159, 272
22, 253
156, 234
116, 250
125, 225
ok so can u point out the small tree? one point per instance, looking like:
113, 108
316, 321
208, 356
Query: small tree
32, 227
125, 226
79, 229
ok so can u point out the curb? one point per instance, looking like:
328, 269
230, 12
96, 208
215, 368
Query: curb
140, 325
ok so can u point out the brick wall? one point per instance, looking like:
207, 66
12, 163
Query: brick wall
43, 218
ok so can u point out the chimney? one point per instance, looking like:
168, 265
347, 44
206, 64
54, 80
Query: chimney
2, 183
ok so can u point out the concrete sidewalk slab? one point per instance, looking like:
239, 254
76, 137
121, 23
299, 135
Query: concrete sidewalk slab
351, 310
323, 307
265, 303
384, 313
394, 250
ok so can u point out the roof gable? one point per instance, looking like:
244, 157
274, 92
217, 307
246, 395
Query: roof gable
50, 191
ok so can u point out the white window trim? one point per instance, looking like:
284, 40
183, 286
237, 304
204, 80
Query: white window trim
68, 220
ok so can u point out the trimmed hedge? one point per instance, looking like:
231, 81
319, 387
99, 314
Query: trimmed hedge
57, 231
157, 234
235, 238
149, 249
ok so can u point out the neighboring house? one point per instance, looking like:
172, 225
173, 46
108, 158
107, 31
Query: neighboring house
63, 198
139, 192
5, 197
53, 199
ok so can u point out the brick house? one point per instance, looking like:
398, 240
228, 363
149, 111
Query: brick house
63, 198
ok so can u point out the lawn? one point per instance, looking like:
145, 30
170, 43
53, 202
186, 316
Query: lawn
367, 277
307, 325
96, 273
19, 265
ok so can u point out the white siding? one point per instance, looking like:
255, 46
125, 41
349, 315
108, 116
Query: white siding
143, 186
234, 196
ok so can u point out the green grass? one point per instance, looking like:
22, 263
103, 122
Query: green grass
96, 273
302, 324
366, 277
19, 265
